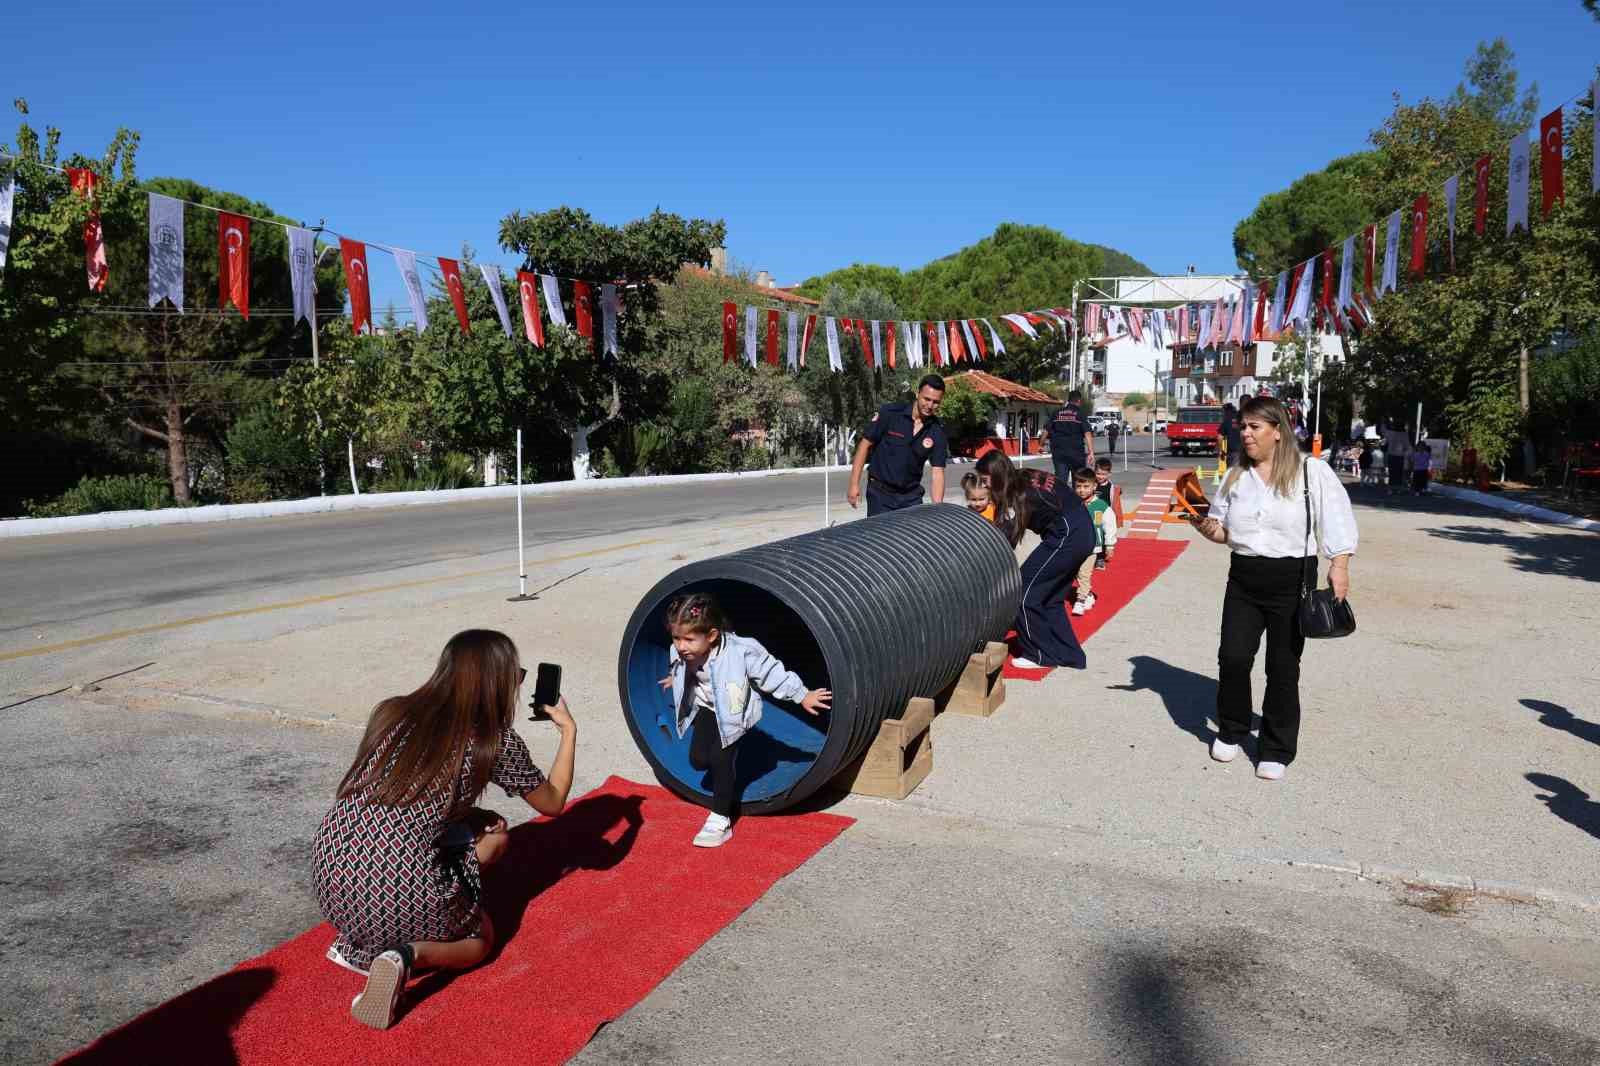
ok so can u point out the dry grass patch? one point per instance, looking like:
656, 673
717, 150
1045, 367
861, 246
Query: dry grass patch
1446, 902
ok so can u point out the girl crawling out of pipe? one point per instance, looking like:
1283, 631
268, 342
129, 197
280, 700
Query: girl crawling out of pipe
716, 678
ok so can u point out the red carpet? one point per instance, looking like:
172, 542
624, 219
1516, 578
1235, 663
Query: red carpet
593, 909
1133, 566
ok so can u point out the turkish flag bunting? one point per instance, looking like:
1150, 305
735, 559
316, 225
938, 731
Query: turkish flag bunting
458, 292
1034, 317
1018, 329
532, 324
233, 261
1369, 253
354, 254
730, 332
977, 337
805, 336
864, 336
1326, 301
958, 351
1550, 160
888, 343
1480, 199
933, 344
1419, 234
582, 309
83, 182
1261, 312
772, 338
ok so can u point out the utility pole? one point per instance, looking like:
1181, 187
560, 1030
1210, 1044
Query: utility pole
1072, 359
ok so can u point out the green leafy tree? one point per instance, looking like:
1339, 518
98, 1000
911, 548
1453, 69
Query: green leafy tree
967, 414
846, 399
1315, 212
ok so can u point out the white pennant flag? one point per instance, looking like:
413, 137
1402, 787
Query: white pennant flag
1301, 311
994, 338
1391, 256
750, 334
877, 343
1517, 185
1248, 331
552, 299
1450, 189
407, 262
794, 340
972, 342
906, 345
1022, 323
302, 278
1347, 265
497, 293
609, 309
8, 199
834, 360
1280, 295
166, 250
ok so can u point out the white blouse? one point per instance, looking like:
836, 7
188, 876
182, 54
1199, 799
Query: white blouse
1262, 523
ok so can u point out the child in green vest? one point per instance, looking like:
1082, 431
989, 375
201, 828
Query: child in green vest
1086, 485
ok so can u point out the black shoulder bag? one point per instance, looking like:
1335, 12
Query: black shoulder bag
1321, 615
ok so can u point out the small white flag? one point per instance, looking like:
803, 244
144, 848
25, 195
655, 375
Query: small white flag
1347, 265
497, 293
835, 362
1280, 297
877, 343
407, 262
1517, 185
1301, 311
1022, 323
794, 340
8, 199
994, 338
750, 334
1451, 187
609, 309
907, 345
166, 250
1391, 256
302, 273
552, 299
972, 342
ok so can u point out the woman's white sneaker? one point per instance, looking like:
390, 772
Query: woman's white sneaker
715, 833
1223, 752
1270, 771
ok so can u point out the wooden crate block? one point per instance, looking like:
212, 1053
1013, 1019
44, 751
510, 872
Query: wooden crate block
900, 757
980, 690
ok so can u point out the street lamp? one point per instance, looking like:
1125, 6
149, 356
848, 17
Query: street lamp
1155, 390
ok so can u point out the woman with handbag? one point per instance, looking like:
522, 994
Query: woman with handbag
1273, 509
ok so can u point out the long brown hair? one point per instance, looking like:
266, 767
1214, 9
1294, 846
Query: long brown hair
1286, 460
421, 739
1008, 491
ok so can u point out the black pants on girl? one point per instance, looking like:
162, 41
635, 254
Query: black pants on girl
707, 753
1262, 595
1044, 629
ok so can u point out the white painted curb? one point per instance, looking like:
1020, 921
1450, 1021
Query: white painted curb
1522, 510
170, 516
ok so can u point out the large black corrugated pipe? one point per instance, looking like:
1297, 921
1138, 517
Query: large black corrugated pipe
879, 611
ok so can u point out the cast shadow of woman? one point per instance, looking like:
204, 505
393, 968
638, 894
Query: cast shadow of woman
540, 854
1189, 697
201, 1022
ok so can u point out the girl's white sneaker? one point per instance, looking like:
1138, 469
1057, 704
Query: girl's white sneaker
715, 833
1223, 752
1024, 664
1270, 771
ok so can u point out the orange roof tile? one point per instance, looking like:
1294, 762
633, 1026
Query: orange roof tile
1010, 390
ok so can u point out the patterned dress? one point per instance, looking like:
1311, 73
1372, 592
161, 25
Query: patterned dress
381, 876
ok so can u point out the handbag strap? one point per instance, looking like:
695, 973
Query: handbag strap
1305, 566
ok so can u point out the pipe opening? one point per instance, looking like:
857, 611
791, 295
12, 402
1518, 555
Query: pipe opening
784, 745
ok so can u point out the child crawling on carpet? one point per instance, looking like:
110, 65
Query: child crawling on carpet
716, 678
398, 859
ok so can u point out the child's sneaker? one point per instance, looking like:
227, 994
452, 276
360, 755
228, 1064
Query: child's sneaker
1089, 603
379, 1002
1099, 562
715, 832
1080, 607
1024, 664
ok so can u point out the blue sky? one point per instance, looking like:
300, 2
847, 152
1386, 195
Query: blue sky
823, 135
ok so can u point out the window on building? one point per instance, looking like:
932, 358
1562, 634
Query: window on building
1227, 357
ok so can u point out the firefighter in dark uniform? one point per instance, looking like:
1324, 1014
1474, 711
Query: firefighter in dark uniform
900, 438
1071, 443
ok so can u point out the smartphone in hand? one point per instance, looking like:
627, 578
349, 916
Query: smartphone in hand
546, 690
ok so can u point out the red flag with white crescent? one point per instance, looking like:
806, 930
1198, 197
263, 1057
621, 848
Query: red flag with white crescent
730, 332
528, 292
1369, 253
84, 182
933, 344
586, 320
772, 338
458, 292
888, 342
1550, 160
977, 338
805, 337
1260, 323
957, 350
354, 254
1480, 200
1326, 301
233, 261
1419, 234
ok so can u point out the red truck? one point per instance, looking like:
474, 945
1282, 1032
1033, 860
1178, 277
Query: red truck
1196, 429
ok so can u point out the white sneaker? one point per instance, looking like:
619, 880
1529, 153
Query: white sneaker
1089, 604
1024, 664
1223, 752
715, 833
1270, 771
377, 1005
338, 959
1080, 607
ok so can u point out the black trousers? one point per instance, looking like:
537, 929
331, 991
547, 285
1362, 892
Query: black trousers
707, 753
1044, 629
881, 499
1263, 596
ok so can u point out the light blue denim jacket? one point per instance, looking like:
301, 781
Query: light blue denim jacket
740, 671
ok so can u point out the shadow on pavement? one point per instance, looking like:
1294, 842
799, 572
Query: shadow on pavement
1189, 697
1558, 717
200, 1022
1575, 555
1568, 802
1153, 1008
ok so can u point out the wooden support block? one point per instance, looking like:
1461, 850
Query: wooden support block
980, 690
899, 758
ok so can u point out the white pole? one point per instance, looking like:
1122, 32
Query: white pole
827, 463
350, 450
522, 569
1419, 421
